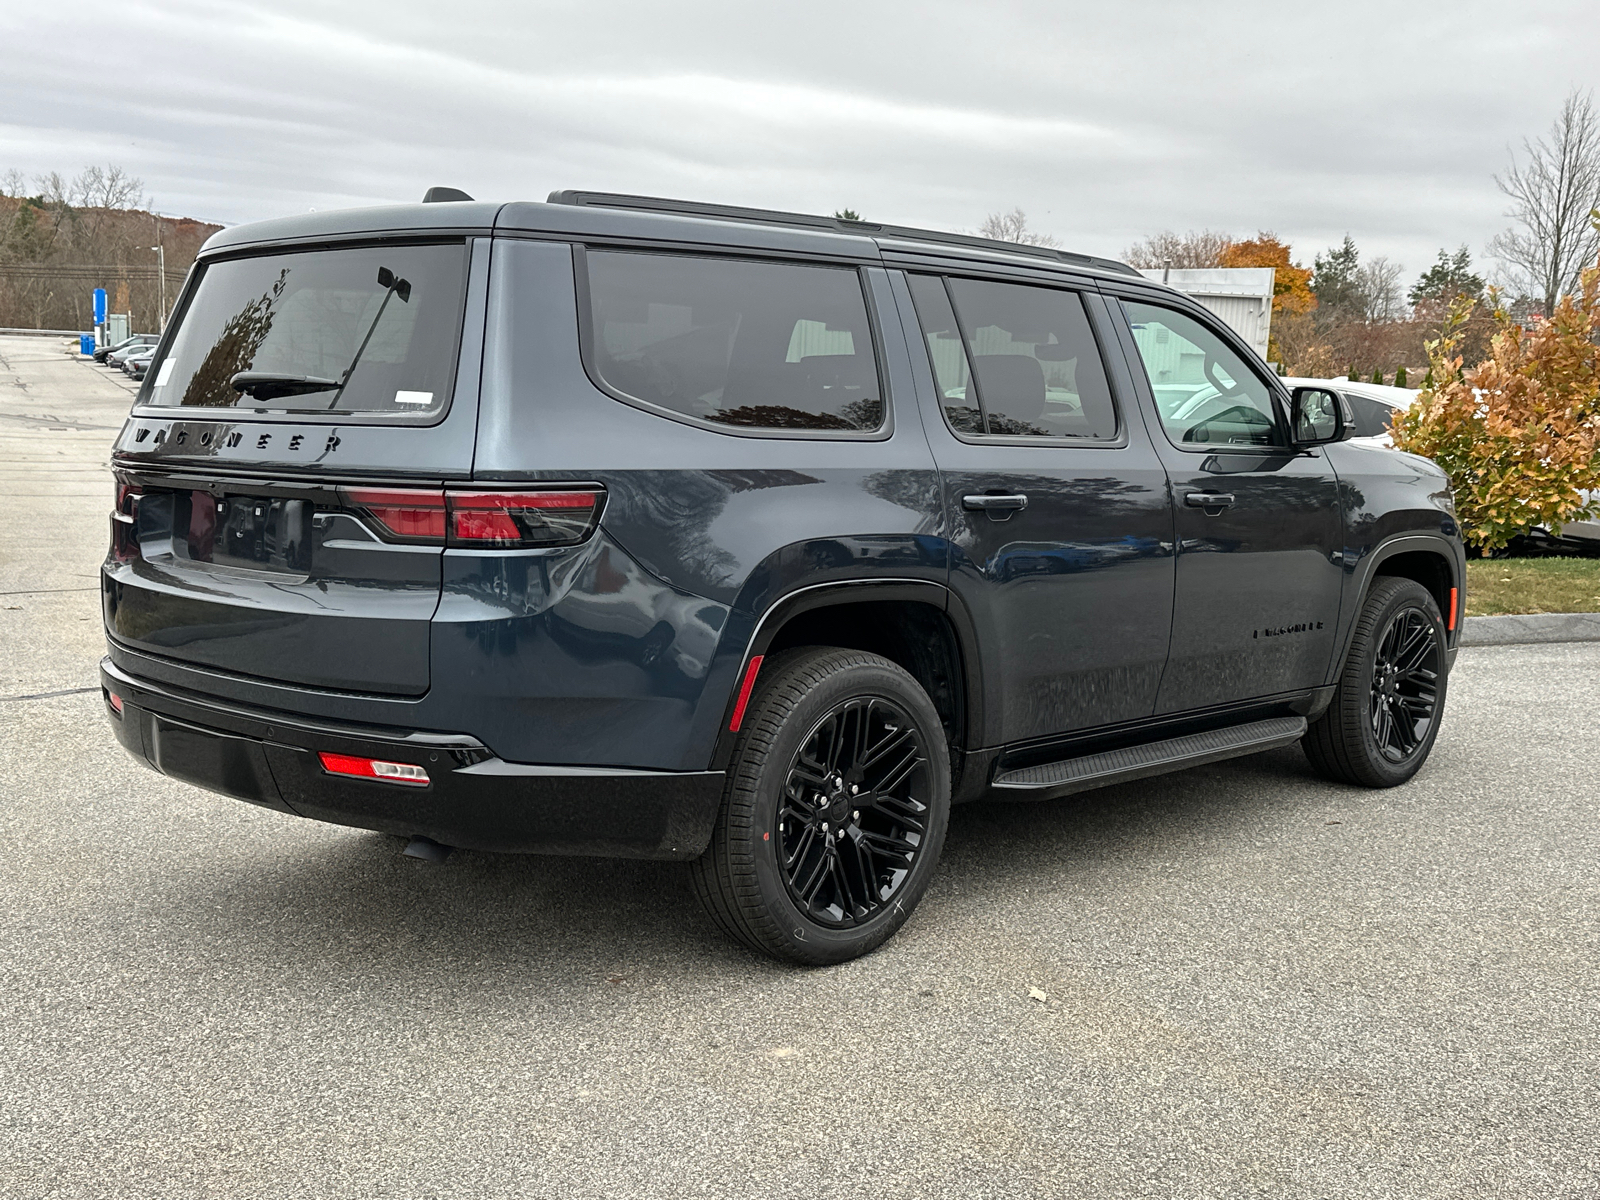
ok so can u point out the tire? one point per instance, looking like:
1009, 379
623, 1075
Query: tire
799, 866
1381, 727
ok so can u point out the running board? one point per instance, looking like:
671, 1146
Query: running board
1049, 780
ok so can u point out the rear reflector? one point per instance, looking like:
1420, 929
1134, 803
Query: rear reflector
372, 768
744, 694
510, 519
1455, 594
115, 702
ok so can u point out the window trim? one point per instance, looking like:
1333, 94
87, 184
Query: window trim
1209, 320
586, 341
1117, 441
400, 420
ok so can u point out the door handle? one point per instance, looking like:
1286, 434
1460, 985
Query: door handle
999, 508
1209, 500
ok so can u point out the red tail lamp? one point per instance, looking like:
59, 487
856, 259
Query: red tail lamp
374, 768
480, 519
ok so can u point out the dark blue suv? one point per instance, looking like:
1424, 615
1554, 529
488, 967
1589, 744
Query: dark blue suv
633, 527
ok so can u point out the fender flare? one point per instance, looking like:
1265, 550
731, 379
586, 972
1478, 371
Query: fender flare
1367, 570
860, 591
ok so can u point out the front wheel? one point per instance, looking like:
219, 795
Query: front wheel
835, 808
1385, 714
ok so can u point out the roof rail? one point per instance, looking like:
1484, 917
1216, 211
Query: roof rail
732, 212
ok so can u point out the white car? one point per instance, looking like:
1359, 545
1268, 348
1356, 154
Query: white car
1374, 405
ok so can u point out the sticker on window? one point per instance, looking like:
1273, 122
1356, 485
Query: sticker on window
413, 397
166, 372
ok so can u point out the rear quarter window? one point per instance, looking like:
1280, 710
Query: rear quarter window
742, 344
359, 330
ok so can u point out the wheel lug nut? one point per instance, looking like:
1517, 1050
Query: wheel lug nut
855, 816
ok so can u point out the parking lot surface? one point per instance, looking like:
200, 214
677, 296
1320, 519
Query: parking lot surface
1255, 983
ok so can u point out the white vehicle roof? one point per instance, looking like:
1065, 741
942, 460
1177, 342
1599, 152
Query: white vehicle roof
1394, 397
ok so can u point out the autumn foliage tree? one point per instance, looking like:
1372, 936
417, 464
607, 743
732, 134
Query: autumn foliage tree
1518, 434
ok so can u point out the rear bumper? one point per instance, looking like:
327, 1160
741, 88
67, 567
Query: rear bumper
473, 800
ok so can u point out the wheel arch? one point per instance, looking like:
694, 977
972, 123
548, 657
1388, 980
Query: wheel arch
919, 625
1436, 563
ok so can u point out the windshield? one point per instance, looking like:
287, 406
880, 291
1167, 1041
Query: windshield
369, 329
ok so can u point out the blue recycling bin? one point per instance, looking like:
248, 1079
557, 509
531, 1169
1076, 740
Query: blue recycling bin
86, 343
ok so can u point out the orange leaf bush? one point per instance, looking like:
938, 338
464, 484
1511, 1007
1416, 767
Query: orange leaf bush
1519, 434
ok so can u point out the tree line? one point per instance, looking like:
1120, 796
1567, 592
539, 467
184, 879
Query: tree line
61, 237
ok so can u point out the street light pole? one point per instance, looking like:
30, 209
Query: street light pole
161, 270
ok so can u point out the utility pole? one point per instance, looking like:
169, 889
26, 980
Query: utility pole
161, 270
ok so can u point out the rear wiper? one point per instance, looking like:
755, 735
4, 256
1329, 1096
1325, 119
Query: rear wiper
270, 385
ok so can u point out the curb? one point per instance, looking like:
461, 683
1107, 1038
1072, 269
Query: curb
1530, 629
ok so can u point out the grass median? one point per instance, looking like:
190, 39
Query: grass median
1532, 585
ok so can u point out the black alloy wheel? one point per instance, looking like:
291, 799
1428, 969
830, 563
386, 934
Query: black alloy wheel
1405, 684
1390, 696
851, 823
834, 811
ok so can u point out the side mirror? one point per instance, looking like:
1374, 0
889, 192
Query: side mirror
1318, 416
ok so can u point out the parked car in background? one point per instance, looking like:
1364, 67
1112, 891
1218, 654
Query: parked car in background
136, 364
119, 358
137, 340
1372, 405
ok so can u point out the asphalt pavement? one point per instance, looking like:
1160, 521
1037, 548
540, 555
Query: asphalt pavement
1255, 983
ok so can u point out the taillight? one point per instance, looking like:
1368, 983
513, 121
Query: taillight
482, 520
509, 519
403, 514
115, 701
373, 768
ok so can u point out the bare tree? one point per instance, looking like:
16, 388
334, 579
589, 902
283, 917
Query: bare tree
111, 187
1377, 285
1551, 198
13, 183
1168, 249
1013, 227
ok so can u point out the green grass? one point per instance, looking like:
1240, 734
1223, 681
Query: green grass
1533, 585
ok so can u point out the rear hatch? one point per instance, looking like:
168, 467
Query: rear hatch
257, 529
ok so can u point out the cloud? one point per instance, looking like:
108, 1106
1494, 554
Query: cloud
1104, 122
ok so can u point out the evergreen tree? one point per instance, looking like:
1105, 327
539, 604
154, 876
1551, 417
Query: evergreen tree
1335, 278
1448, 278
1400, 377
1377, 374
847, 214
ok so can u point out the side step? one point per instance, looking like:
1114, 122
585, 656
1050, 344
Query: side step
1049, 780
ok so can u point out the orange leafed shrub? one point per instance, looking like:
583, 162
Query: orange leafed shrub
1519, 434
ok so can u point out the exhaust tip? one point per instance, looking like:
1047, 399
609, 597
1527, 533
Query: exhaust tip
426, 849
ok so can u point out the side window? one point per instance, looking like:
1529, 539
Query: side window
758, 345
951, 370
1372, 416
1205, 392
1037, 364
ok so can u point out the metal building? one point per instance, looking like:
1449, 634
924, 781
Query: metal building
1240, 296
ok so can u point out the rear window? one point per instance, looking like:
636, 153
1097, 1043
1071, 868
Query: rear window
755, 345
370, 329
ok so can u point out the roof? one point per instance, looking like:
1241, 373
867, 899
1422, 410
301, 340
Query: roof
656, 220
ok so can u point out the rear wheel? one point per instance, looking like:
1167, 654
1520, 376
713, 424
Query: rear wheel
835, 808
1385, 714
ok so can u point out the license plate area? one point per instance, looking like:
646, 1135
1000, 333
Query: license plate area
260, 533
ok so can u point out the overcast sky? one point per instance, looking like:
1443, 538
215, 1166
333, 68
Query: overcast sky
1105, 122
